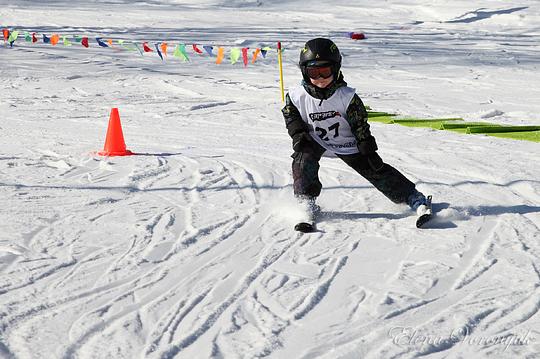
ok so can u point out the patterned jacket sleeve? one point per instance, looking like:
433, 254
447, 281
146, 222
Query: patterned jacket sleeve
357, 117
293, 120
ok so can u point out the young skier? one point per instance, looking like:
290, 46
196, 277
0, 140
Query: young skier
324, 114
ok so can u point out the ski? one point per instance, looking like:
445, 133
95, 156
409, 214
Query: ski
426, 213
305, 227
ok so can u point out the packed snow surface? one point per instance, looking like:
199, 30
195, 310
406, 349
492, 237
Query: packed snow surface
187, 249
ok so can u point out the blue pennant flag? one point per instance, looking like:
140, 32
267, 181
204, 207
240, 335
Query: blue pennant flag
46, 39
159, 52
208, 49
101, 43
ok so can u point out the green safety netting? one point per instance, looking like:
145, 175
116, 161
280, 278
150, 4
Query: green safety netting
533, 136
464, 126
499, 128
527, 133
432, 123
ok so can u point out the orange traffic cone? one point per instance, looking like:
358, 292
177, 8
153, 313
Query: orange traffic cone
114, 143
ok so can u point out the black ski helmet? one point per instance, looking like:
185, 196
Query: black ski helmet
320, 51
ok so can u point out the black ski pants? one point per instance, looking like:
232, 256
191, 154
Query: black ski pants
392, 183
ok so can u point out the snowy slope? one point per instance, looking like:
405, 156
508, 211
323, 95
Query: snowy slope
187, 249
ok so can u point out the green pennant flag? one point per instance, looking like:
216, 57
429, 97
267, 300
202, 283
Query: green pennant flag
177, 52
138, 48
121, 43
27, 37
13, 36
128, 47
183, 52
180, 52
77, 38
66, 42
235, 55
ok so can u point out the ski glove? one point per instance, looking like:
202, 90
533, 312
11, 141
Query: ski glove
375, 161
367, 146
300, 141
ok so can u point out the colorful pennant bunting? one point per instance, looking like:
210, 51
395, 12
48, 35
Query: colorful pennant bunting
161, 48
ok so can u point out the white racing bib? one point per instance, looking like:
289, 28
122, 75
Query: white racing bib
327, 121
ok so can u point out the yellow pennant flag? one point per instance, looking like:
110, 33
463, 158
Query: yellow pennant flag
220, 55
66, 41
235, 55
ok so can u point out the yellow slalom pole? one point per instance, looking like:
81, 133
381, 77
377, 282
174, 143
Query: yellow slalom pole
280, 72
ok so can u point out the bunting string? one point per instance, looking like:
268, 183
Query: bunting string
160, 48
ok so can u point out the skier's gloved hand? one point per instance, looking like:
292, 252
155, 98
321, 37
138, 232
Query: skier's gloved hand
368, 148
301, 141
375, 161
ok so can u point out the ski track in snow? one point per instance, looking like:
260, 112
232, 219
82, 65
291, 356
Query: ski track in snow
186, 250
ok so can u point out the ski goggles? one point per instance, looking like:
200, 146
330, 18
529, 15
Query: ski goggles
315, 72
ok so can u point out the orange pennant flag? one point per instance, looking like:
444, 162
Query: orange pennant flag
54, 39
220, 55
255, 54
164, 48
110, 42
